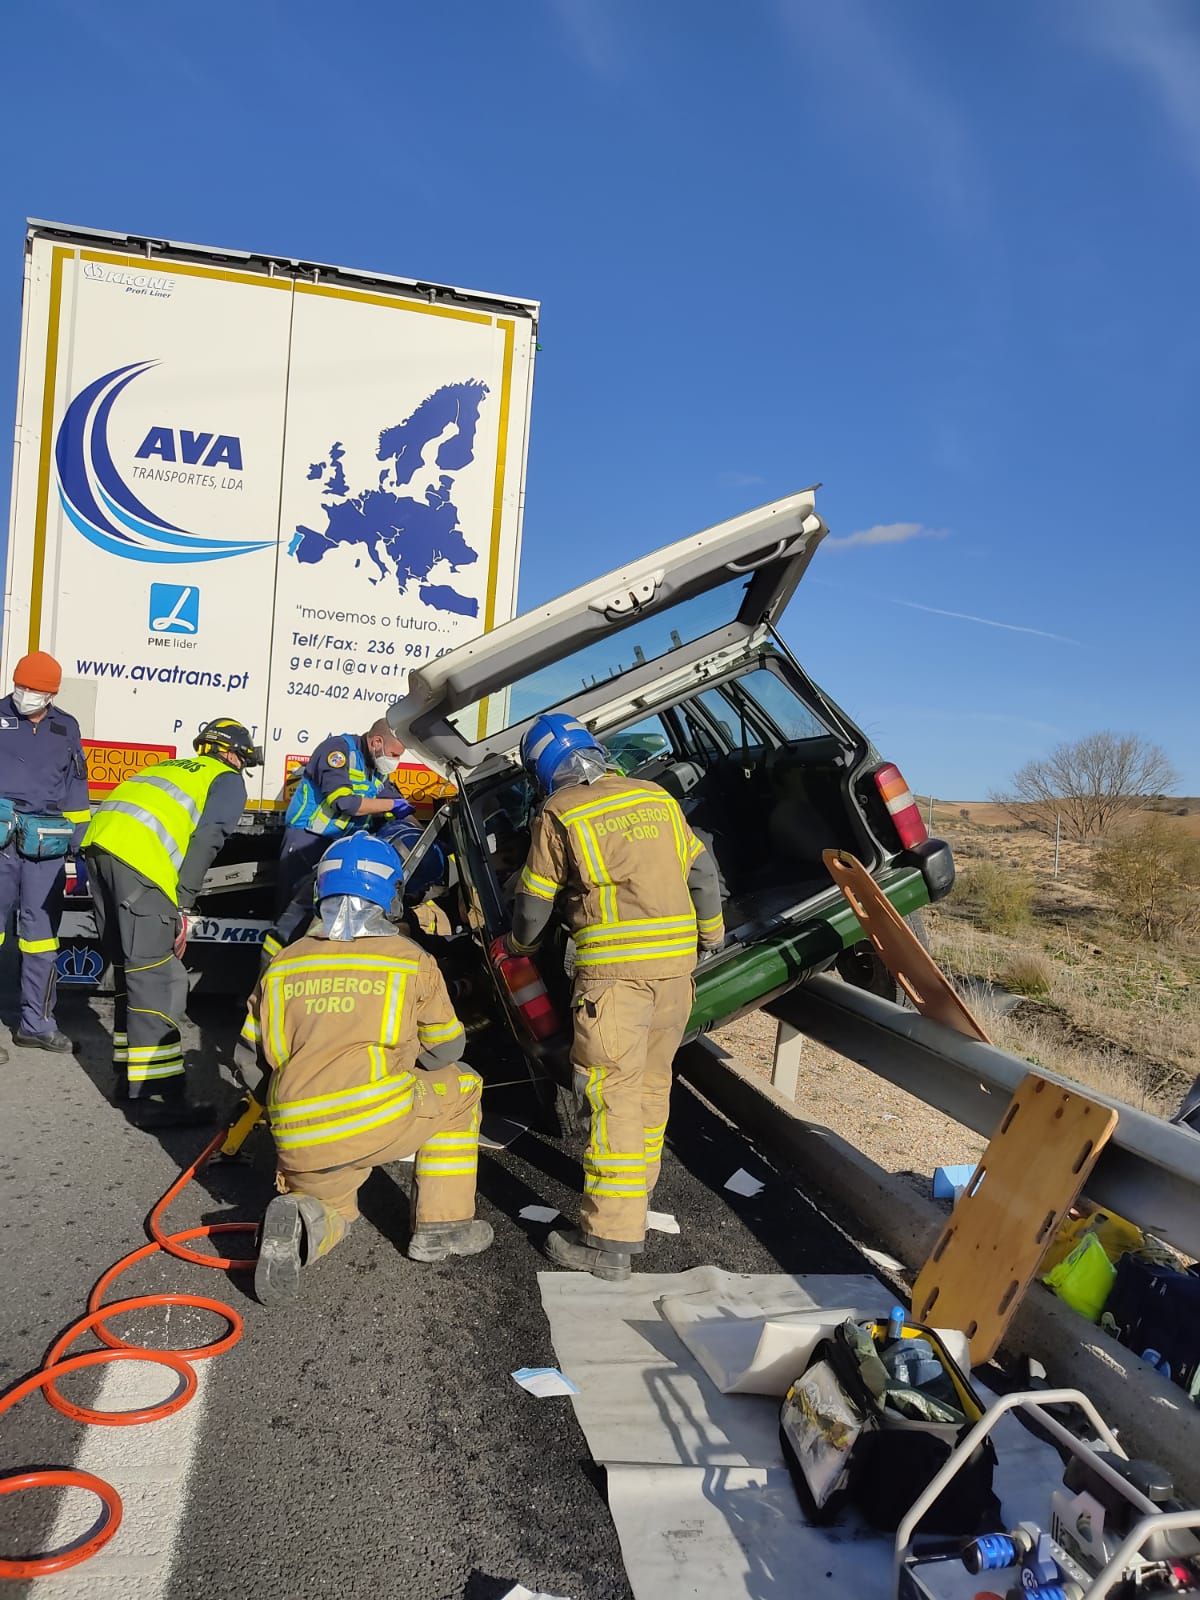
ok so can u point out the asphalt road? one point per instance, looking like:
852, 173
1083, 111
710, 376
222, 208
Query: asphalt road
368, 1439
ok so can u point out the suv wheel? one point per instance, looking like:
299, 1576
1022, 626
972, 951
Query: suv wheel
862, 966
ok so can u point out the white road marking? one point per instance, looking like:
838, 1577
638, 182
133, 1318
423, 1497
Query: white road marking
149, 1466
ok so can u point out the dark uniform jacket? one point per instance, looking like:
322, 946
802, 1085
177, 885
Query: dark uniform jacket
42, 765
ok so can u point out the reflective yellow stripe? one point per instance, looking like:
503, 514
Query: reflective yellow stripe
155, 1052
146, 1073
78, 816
434, 1033
608, 889
616, 953
468, 1081
710, 925
271, 945
595, 807
251, 1032
345, 1128
314, 1105
594, 1092
3, 936
393, 1012
378, 1060
533, 883
695, 849
610, 1186
637, 930
36, 947
290, 965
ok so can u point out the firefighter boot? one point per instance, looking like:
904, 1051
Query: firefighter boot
296, 1229
566, 1249
435, 1241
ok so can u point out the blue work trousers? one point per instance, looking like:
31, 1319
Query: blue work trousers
35, 889
298, 857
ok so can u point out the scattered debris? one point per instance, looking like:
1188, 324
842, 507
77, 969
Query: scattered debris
661, 1222
538, 1213
744, 1183
544, 1381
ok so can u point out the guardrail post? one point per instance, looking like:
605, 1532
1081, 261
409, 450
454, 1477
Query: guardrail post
785, 1068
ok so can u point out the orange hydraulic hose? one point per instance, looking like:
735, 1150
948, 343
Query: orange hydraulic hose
57, 1365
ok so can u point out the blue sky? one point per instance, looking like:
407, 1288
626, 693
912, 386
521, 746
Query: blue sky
941, 258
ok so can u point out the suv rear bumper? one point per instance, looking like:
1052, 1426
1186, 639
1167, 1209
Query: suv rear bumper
934, 860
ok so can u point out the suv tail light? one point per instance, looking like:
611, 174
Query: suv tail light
521, 978
902, 808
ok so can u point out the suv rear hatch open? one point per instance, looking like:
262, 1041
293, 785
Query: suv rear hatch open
712, 595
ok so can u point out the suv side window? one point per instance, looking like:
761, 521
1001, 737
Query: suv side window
773, 712
783, 706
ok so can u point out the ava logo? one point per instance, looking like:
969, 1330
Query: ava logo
102, 506
79, 964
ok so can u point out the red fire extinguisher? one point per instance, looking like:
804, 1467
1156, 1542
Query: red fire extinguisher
523, 981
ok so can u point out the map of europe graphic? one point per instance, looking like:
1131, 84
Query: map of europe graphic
404, 537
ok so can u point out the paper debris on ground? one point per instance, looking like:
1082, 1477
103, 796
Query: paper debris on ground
538, 1213
520, 1592
745, 1183
661, 1222
544, 1381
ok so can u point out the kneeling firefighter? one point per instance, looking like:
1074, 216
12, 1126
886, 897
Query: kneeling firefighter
340, 1020
638, 891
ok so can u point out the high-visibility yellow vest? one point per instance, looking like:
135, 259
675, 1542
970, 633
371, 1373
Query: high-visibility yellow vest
149, 819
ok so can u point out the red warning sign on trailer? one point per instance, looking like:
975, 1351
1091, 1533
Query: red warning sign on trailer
110, 764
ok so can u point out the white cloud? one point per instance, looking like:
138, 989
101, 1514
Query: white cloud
1159, 42
886, 533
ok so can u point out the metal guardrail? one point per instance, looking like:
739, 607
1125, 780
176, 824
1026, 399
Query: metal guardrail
1149, 1172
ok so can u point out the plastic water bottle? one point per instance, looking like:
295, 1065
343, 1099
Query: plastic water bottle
1153, 1358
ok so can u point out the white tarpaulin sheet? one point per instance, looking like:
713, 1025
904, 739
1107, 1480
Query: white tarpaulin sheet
697, 1486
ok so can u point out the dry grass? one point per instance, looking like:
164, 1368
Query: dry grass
1120, 1014
1029, 975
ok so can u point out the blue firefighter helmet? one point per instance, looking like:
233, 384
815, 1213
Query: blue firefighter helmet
361, 865
402, 835
550, 742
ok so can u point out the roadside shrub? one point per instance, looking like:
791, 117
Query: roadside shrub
1028, 975
999, 896
1151, 871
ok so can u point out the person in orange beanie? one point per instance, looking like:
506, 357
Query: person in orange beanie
43, 811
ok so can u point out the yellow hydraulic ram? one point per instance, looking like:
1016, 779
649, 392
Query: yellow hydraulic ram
242, 1126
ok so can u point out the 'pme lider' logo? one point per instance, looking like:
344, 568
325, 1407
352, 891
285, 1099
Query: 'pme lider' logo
101, 505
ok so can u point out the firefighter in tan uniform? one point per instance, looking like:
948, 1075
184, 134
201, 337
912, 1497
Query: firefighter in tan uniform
354, 1025
638, 892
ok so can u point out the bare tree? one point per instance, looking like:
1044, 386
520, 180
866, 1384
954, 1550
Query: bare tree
1089, 783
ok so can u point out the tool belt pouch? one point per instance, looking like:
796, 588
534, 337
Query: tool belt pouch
8, 821
852, 1436
43, 838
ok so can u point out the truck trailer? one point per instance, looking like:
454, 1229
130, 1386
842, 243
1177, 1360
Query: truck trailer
248, 485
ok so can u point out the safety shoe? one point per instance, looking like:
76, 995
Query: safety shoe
175, 1113
294, 1232
566, 1249
435, 1241
56, 1041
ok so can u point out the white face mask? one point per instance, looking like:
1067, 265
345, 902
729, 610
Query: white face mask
385, 765
30, 701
